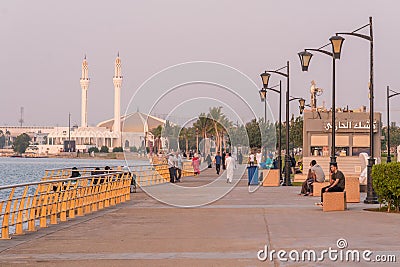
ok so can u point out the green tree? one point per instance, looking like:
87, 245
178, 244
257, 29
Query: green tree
104, 149
2, 139
21, 143
218, 126
93, 149
117, 149
254, 134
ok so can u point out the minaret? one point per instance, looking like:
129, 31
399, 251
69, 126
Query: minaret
84, 85
117, 79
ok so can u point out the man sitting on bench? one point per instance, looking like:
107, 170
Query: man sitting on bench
337, 182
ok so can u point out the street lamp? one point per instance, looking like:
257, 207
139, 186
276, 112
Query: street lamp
305, 58
388, 96
263, 94
265, 78
371, 196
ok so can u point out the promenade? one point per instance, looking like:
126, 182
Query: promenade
227, 232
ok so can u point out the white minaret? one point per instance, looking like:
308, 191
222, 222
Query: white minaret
117, 79
84, 85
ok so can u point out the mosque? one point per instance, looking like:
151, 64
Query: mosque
131, 130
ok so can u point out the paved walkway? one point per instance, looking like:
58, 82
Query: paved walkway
227, 232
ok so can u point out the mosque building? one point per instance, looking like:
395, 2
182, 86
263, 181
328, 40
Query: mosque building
121, 131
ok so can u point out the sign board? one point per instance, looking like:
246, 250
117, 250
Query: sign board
350, 125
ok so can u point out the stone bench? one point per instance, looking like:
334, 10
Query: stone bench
317, 188
269, 177
352, 188
334, 201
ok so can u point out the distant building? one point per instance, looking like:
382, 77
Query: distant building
352, 133
125, 131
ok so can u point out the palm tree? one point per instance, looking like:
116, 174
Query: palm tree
220, 124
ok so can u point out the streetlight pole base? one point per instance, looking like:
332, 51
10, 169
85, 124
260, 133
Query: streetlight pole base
287, 181
371, 196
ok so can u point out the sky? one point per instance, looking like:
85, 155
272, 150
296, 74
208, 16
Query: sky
44, 42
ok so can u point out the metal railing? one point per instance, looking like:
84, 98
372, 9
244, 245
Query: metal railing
58, 196
32, 205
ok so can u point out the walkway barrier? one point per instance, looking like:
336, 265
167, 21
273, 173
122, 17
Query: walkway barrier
58, 196
36, 205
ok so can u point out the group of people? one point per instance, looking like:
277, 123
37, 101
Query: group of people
228, 163
175, 165
316, 175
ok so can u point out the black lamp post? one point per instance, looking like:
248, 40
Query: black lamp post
371, 196
305, 58
388, 96
263, 94
265, 78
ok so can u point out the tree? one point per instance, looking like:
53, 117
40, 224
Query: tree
117, 149
254, 134
21, 143
104, 149
93, 149
2, 139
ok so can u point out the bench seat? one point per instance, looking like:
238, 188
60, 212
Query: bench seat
317, 188
334, 201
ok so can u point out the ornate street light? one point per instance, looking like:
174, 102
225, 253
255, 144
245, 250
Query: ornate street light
337, 42
265, 78
305, 58
371, 196
302, 103
263, 94
388, 96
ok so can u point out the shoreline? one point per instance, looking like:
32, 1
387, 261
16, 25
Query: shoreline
97, 156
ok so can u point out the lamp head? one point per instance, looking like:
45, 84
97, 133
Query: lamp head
265, 79
263, 94
305, 58
302, 103
337, 42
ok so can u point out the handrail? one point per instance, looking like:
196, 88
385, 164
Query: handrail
58, 197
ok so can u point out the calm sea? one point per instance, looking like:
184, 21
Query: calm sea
24, 170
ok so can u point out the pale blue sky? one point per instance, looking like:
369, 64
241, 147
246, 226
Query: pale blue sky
43, 43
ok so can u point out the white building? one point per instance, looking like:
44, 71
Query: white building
131, 130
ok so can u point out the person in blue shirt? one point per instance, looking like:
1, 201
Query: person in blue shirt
217, 160
269, 163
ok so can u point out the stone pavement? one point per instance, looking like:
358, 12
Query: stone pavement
228, 232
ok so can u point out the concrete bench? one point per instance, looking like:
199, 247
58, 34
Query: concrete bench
317, 188
352, 187
334, 201
270, 177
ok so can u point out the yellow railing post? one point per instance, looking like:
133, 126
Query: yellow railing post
5, 234
18, 226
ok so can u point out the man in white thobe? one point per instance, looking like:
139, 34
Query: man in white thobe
230, 165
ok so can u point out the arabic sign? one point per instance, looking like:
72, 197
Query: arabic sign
350, 125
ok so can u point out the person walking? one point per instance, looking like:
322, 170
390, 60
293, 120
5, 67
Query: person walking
258, 158
196, 164
209, 161
217, 160
171, 167
251, 159
240, 157
230, 166
338, 182
223, 160
179, 167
